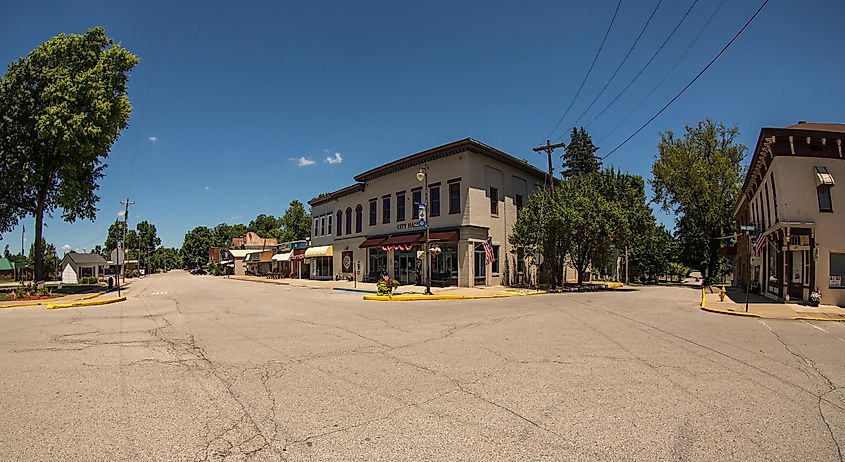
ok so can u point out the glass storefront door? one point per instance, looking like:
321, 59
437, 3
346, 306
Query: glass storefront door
406, 266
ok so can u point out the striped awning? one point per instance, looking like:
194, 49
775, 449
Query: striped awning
319, 251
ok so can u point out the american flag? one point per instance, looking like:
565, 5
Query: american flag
488, 252
758, 246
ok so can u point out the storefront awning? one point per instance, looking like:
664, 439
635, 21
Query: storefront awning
444, 236
319, 251
282, 256
373, 242
404, 239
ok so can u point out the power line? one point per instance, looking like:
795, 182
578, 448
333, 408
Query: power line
646, 64
691, 81
595, 58
665, 76
624, 60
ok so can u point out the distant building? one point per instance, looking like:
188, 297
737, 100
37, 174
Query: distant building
791, 199
475, 194
75, 266
253, 241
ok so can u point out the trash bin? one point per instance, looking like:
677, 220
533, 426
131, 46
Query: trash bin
111, 282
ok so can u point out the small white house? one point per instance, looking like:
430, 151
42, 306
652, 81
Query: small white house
78, 265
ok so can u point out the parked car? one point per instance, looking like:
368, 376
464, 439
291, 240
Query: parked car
198, 271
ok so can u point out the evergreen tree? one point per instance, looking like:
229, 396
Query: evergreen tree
580, 154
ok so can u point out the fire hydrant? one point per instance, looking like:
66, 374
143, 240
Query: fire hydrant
722, 294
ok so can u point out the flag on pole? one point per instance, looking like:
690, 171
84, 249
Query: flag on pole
489, 256
758, 246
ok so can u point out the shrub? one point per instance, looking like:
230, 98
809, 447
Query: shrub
214, 269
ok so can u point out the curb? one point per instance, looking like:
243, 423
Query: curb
409, 298
48, 302
524, 294
734, 313
75, 304
811, 318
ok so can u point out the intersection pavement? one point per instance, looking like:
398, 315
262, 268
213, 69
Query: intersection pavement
204, 368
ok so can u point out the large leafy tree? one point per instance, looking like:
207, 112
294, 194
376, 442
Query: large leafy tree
148, 240
540, 229
698, 177
194, 250
61, 109
222, 234
579, 157
165, 258
117, 233
49, 260
266, 226
652, 253
295, 223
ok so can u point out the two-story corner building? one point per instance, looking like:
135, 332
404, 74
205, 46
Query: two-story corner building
474, 194
791, 198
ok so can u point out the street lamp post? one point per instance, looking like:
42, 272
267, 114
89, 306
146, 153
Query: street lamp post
422, 176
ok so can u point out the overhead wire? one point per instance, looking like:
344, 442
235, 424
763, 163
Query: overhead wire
689, 84
590, 70
667, 74
630, 82
622, 63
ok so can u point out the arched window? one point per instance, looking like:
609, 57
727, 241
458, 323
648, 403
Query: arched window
348, 220
359, 218
339, 223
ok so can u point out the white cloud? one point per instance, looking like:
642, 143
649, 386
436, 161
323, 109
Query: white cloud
302, 161
235, 217
208, 188
335, 159
66, 247
152, 138
121, 213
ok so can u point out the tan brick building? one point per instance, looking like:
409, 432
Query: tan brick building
791, 198
475, 192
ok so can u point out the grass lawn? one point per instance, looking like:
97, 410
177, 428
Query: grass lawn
4, 297
75, 289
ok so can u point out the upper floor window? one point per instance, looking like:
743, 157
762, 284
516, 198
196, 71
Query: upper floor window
824, 181
416, 200
348, 220
323, 225
316, 226
517, 202
339, 223
494, 200
373, 212
359, 218
455, 197
434, 198
330, 224
400, 206
385, 209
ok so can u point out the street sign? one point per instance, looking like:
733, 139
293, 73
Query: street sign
747, 228
421, 210
118, 256
421, 224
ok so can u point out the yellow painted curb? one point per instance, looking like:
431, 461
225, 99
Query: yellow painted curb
811, 318
703, 298
523, 294
732, 313
408, 298
614, 285
48, 302
86, 303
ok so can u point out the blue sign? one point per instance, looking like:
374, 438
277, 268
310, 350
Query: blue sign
422, 224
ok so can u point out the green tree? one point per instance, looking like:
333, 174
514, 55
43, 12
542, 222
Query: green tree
295, 223
164, 259
6, 252
266, 226
194, 250
99, 250
61, 109
222, 234
49, 260
540, 230
579, 157
698, 178
147, 240
652, 253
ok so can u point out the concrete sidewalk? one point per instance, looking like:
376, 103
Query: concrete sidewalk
371, 286
762, 307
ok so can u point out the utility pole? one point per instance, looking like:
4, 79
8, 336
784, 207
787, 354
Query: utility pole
126, 204
549, 149
23, 230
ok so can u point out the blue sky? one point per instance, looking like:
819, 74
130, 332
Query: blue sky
229, 95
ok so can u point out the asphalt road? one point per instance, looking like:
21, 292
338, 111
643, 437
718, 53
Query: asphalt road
203, 368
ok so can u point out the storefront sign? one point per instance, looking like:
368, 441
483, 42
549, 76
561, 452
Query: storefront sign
346, 261
413, 224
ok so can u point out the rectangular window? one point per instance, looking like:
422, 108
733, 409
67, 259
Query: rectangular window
495, 264
316, 227
323, 225
373, 212
434, 198
517, 200
520, 261
385, 209
416, 200
330, 223
455, 197
400, 206
806, 267
837, 270
480, 262
825, 201
494, 200
768, 208
774, 197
